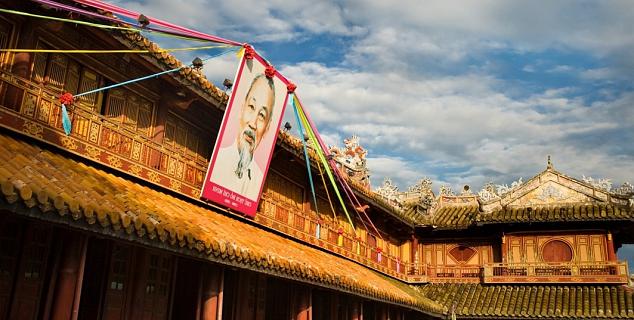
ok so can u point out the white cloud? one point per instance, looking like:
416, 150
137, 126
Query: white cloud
461, 128
398, 88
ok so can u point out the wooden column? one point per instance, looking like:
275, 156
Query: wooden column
250, 302
610, 249
302, 306
212, 290
384, 313
68, 284
414, 251
504, 249
357, 310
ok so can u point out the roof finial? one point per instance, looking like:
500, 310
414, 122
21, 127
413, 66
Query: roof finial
550, 164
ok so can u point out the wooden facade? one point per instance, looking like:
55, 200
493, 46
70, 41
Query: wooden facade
105, 223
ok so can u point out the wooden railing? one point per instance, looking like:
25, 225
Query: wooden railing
37, 113
301, 225
574, 272
454, 273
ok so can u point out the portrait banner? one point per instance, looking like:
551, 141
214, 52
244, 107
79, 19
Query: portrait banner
249, 128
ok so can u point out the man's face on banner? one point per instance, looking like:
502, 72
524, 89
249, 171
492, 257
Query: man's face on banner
255, 115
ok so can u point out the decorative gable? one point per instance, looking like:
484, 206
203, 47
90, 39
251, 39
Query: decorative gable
549, 188
551, 192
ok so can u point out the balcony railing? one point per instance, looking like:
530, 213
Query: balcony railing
303, 226
37, 113
454, 273
571, 272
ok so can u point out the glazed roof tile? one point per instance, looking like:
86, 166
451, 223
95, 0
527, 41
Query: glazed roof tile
53, 186
471, 300
465, 216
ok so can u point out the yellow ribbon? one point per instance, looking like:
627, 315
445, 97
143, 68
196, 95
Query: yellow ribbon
322, 157
114, 51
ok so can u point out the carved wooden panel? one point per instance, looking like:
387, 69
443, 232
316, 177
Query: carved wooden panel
556, 251
584, 246
456, 253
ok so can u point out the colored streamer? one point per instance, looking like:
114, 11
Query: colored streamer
341, 179
113, 51
131, 14
321, 173
141, 28
322, 158
145, 77
96, 25
66, 120
68, 126
301, 134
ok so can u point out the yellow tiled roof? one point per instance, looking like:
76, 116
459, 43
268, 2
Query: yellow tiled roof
464, 216
577, 212
533, 301
52, 186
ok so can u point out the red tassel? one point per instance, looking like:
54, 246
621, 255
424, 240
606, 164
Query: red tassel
249, 52
290, 87
269, 72
66, 99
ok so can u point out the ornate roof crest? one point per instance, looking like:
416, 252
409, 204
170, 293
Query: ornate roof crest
488, 192
352, 160
603, 184
388, 191
626, 189
445, 190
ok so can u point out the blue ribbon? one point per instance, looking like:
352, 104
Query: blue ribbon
68, 126
301, 135
66, 120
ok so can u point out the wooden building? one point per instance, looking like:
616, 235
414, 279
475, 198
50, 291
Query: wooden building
106, 223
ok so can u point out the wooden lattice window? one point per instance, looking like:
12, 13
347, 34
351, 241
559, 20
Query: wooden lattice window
557, 251
119, 268
159, 275
118, 282
32, 271
10, 234
60, 73
284, 191
462, 254
130, 110
6, 30
188, 139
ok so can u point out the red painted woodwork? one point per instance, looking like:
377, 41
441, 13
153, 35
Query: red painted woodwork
10, 236
31, 273
212, 293
556, 251
462, 253
301, 303
610, 248
68, 276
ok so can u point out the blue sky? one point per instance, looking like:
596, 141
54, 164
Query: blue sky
463, 92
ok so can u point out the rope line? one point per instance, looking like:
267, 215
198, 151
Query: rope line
114, 51
301, 134
140, 28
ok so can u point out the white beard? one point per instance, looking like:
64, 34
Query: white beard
245, 159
